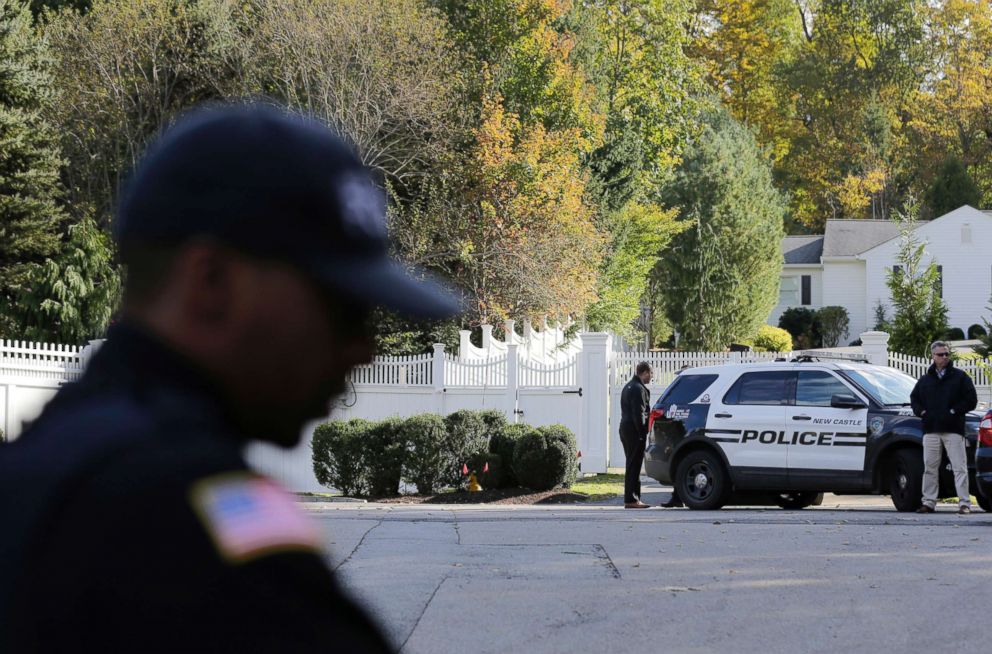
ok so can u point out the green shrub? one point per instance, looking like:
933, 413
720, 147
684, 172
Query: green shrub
954, 334
976, 331
494, 475
772, 339
429, 461
803, 324
338, 455
545, 458
834, 324
494, 420
467, 436
565, 436
502, 443
384, 454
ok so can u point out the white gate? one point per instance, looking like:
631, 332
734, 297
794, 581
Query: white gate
550, 394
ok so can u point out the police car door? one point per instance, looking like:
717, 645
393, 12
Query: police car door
825, 442
748, 423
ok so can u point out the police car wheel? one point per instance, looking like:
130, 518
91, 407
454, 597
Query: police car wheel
701, 481
798, 500
906, 480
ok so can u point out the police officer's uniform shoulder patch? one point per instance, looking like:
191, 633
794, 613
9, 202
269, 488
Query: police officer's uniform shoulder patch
248, 516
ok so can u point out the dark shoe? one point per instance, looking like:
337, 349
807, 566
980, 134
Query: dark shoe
636, 505
925, 509
964, 509
672, 504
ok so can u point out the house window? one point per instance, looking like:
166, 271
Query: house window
965, 234
807, 290
940, 281
788, 292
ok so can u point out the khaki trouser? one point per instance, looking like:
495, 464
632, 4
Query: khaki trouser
954, 444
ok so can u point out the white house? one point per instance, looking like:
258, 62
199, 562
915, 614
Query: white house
847, 266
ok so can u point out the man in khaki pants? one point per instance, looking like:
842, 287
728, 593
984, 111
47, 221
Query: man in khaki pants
942, 397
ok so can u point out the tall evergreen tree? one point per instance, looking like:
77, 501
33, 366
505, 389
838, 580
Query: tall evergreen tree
719, 280
920, 313
951, 188
30, 217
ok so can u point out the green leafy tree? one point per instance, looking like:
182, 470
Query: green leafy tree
951, 188
834, 323
639, 235
73, 296
31, 219
920, 313
720, 277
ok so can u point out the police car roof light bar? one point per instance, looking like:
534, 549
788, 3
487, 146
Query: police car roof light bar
808, 356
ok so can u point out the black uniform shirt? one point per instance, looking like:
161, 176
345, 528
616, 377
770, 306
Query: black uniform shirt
130, 523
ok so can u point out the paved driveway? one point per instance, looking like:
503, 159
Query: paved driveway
850, 576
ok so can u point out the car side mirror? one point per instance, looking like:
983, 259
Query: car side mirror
846, 401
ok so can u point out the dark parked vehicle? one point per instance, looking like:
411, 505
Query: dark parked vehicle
983, 462
786, 432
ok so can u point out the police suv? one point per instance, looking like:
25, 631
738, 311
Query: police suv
786, 432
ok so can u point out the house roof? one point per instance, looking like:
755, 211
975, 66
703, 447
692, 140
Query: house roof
802, 249
846, 238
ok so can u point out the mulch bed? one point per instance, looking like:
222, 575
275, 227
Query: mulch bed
492, 496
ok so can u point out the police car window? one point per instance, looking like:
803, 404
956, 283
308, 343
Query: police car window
886, 385
760, 388
685, 389
816, 387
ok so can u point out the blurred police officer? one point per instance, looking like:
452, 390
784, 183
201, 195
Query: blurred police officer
255, 247
942, 398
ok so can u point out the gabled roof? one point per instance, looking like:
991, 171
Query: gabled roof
802, 249
847, 238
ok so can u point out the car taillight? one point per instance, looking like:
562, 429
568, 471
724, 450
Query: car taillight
655, 414
985, 430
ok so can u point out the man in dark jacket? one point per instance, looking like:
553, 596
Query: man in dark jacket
635, 406
255, 247
942, 398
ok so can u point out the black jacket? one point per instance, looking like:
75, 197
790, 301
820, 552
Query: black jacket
943, 402
635, 406
103, 547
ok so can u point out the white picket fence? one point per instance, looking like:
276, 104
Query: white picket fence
532, 384
30, 375
978, 369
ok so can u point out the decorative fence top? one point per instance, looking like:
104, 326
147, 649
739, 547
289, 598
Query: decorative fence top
40, 360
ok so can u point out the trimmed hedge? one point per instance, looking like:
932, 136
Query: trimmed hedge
503, 443
546, 458
467, 436
365, 458
429, 462
338, 455
384, 456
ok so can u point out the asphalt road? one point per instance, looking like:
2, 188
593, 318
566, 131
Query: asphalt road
850, 576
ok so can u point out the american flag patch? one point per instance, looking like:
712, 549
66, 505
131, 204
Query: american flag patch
248, 516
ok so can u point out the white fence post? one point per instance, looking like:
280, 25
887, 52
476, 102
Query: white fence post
512, 381
464, 342
487, 339
594, 441
437, 376
875, 345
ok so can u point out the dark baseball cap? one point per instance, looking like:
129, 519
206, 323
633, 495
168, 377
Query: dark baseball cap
279, 186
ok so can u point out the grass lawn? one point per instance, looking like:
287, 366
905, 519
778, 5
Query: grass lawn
599, 487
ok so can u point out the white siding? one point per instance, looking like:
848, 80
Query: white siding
816, 285
967, 267
844, 286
